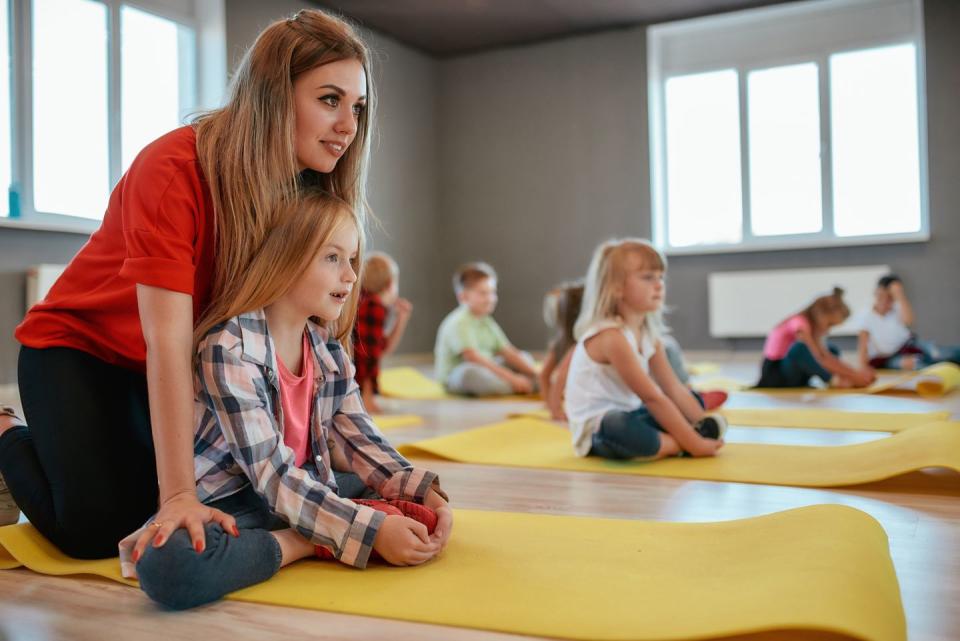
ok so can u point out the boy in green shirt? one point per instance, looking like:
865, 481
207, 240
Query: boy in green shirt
472, 354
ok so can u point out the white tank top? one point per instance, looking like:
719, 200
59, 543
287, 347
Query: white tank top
593, 388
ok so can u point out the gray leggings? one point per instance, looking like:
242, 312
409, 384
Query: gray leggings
475, 380
178, 577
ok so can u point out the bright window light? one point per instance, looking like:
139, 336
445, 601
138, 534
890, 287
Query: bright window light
150, 84
784, 133
70, 143
876, 157
5, 175
703, 159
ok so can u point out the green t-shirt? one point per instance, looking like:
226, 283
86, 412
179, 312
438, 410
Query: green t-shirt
460, 331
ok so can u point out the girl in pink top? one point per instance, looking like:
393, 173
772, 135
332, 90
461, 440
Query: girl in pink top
796, 350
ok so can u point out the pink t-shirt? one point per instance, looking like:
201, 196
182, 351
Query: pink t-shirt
783, 336
296, 401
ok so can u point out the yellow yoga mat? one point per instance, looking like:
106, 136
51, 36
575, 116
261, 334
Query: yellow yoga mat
828, 419
525, 442
702, 368
719, 383
587, 578
935, 380
393, 421
408, 383
814, 418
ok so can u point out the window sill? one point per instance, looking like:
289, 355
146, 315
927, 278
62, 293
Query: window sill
796, 244
83, 226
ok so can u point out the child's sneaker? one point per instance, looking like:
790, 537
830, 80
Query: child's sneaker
9, 512
711, 426
397, 507
713, 399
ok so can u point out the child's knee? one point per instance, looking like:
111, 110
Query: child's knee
175, 575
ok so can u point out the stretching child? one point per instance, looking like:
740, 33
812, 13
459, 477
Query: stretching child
797, 350
278, 413
472, 355
886, 340
623, 398
371, 343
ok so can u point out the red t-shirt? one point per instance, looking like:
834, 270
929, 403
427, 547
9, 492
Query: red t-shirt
157, 230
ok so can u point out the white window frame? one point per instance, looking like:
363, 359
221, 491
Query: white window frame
207, 20
658, 43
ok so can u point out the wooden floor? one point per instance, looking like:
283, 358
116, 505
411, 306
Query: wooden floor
920, 513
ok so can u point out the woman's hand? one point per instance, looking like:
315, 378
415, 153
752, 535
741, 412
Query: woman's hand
183, 510
441, 534
403, 541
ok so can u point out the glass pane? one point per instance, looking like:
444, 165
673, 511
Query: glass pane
703, 159
784, 126
4, 104
876, 154
150, 84
70, 142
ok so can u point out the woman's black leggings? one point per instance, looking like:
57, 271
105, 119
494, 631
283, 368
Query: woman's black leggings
83, 471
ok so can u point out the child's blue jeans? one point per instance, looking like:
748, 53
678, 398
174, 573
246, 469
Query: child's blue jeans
625, 435
178, 577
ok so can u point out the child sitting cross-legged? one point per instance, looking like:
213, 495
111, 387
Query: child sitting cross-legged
472, 355
623, 399
282, 441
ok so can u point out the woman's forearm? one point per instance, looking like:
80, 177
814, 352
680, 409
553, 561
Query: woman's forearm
167, 321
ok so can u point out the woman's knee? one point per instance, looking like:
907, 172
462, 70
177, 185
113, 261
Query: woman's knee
176, 575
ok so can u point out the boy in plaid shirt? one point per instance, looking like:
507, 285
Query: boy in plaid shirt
371, 342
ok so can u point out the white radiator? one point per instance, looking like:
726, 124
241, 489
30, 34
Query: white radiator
40, 278
750, 303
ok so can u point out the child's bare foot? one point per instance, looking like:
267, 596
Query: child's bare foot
908, 362
841, 382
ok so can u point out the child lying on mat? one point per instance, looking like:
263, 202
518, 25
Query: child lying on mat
282, 440
371, 343
797, 350
472, 355
623, 399
561, 307
886, 340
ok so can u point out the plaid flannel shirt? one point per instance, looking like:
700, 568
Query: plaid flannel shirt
239, 440
369, 340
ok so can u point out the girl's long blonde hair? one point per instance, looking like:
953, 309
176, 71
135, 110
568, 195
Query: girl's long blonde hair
606, 273
246, 148
304, 227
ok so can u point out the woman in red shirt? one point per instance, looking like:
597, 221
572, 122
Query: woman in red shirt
105, 366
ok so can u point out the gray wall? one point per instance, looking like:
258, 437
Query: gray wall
544, 153
403, 177
19, 250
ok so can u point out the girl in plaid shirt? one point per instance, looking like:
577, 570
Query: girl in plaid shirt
279, 422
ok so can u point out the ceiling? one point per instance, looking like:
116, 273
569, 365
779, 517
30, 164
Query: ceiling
447, 28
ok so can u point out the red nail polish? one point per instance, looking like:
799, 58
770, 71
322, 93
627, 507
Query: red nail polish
136, 555
198, 546
157, 542
236, 532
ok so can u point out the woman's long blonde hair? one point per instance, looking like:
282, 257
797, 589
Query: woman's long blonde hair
606, 273
246, 148
304, 227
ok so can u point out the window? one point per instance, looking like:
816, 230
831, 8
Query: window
93, 82
789, 126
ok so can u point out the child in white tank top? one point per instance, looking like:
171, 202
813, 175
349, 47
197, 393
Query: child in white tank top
622, 397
